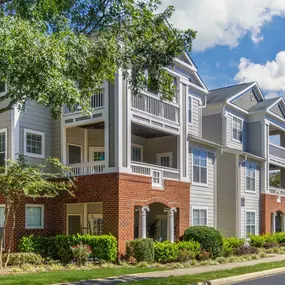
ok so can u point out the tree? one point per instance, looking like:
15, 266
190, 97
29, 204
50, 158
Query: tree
19, 180
274, 179
59, 52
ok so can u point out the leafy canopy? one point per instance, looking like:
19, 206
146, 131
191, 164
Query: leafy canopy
61, 51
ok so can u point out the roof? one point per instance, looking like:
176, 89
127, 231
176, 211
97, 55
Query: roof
263, 105
222, 94
204, 141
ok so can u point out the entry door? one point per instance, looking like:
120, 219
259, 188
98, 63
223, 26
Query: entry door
74, 224
161, 227
96, 154
164, 159
74, 154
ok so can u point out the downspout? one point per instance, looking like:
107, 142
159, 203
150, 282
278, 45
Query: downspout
205, 102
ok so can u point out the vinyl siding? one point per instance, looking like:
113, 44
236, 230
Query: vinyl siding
194, 127
255, 136
203, 196
246, 101
212, 128
226, 195
251, 199
5, 123
276, 110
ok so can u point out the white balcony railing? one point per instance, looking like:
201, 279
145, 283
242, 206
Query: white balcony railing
158, 173
87, 167
153, 105
96, 101
277, 191
277, 151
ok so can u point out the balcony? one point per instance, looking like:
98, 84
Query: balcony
96, 101
86, 168
277, 153
151, 104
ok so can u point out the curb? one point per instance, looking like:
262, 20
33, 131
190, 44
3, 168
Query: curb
244, 277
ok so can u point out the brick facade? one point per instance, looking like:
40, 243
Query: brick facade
269, 205
120, 193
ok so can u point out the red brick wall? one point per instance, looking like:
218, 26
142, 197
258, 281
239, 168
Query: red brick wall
270, 205
120, 193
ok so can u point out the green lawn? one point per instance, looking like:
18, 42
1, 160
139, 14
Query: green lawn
186, 279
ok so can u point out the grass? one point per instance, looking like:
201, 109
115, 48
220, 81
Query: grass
186, 279
45, 278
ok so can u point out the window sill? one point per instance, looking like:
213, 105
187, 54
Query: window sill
237, 141
200, 184
34, 228
34, 155
250, 192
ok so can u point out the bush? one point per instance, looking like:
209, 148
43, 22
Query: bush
210, 239
270, 245
230, 244
166, 252
22, 258
279, 237
188, 250
81, 252
59, 247
243, 250
141, 249
258, 241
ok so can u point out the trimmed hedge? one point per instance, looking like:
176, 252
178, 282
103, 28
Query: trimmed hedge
166, 252
59, 247
231, 244
21, 258
210, 239
142, 249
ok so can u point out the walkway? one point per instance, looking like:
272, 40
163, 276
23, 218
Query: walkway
175, 272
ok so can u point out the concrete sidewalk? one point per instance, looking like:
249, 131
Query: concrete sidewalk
175, 272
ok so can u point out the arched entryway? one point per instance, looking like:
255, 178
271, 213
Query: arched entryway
155, 221
277, 222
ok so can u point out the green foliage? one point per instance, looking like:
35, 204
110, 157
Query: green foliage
60, 52
279, 237
141, 249
230, 244
81, 252
188, 250
257, 241
210, 239
166, 252
274, 179
22, 258
59, 247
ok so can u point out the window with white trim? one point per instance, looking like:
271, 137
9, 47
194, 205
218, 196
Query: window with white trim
199, 217
237, 129
250, 177
2, 148
164, 159
250, 223
137, 151
34, 216
34, 143
189, 109
199, 166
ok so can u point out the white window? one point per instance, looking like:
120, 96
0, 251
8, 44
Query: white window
156, 178
199, 166
3, 143
97, 223
34, 143
96, 154
237, 129
137, 152
190, 109
34, 216
250, 223
199, 217
250, 177
164, 159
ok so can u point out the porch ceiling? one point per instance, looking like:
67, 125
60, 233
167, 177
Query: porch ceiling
99, 125
146, 132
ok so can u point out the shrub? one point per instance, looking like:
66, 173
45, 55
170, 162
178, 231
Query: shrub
279, 237
21, 258
258, 241
188, 250
210, 239
141, 249
81, 252
270, 245
59, 247
204, 255
243, 250
230, 244
166, 252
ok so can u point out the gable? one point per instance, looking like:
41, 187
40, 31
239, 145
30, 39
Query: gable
277, 111
246, 100
184, 58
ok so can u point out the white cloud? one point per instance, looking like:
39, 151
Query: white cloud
270, 76
270, 95
224, 22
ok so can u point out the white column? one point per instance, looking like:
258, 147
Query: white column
85, 150
170, 223
283, 223
63, 145
85, 218
142, 221
273, 223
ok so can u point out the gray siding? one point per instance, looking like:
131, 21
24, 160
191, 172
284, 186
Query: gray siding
194, 127
36, 118
56, 138
254, 136
251, 198
246, 101
212, 128
276, 110
200, 195
5, 123
226, 195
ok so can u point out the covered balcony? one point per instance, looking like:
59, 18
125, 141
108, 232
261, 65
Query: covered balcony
276, 180
154, 153
276, 145
85, 150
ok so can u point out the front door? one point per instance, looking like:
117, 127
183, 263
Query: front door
74, 224
74, 154
96, 154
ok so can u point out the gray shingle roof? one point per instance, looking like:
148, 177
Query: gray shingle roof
222, 94
263, 105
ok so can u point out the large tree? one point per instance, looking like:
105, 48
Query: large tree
18, 180
59, 52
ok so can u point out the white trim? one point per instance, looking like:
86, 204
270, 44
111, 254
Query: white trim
199, 208
67, 223
255, 220
232, 128
165, 154
43, 214
138, 146
93, 149
207, 167
4, 130
42, 134
81, 151
255, 169
191, 97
